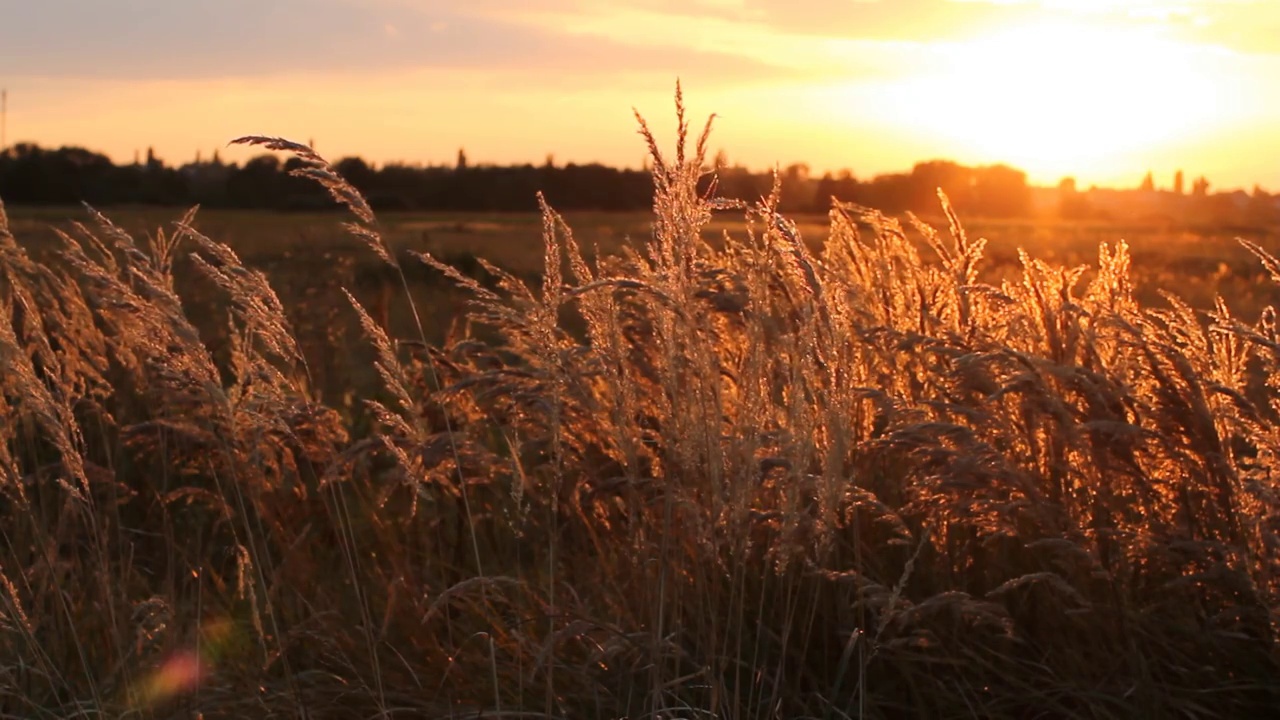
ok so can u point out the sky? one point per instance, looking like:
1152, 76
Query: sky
1100, 91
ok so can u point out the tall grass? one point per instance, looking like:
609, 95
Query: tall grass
709, 477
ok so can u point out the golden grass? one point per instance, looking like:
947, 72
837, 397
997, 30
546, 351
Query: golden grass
739, 479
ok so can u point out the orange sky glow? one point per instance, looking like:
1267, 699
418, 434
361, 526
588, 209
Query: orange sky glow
1102, 91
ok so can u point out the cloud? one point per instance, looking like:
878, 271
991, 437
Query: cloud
872, 20
208, 39
809, 57
1242, 26
721, 41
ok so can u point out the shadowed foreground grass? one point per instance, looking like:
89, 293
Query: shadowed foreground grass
741, 480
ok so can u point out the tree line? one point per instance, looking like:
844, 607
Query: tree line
32, 175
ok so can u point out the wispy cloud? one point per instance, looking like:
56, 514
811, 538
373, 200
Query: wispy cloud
160, 39
1244, 26
732, 39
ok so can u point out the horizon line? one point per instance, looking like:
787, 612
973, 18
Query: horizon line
835, 173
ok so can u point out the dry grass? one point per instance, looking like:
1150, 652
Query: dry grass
741, 479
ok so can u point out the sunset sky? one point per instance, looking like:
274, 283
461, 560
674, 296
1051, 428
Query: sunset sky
1103, 91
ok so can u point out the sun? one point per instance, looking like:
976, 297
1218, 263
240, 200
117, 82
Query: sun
1059, 98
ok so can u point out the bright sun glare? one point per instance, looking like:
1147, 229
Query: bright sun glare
1057, 99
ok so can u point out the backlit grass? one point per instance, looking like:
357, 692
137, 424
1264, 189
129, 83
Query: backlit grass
740, 478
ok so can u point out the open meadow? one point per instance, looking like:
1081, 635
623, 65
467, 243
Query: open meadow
699, 463
309, 258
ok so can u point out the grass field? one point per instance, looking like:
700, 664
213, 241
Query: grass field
1198, 265
830, 469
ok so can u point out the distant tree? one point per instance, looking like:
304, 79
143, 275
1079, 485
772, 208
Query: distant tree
1260, 211
740, 183
1148, 183
1001, 192
32, 175
1072, 204
954, 179
795, 172
889, 193
299, 193
797, 190
153, 163
825, 191
257, 184
843, 188
357, 172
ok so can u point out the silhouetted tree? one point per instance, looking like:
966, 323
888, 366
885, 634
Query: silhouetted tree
956, 180
797, 191
1001, 192
843, 188
257, 184
357, 172
30, 174
1072, 205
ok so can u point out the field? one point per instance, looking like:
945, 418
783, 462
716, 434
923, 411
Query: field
301, 251
760, 467
310, 259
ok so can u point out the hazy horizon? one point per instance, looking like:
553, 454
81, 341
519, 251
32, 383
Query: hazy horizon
1100, 91
233, 154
